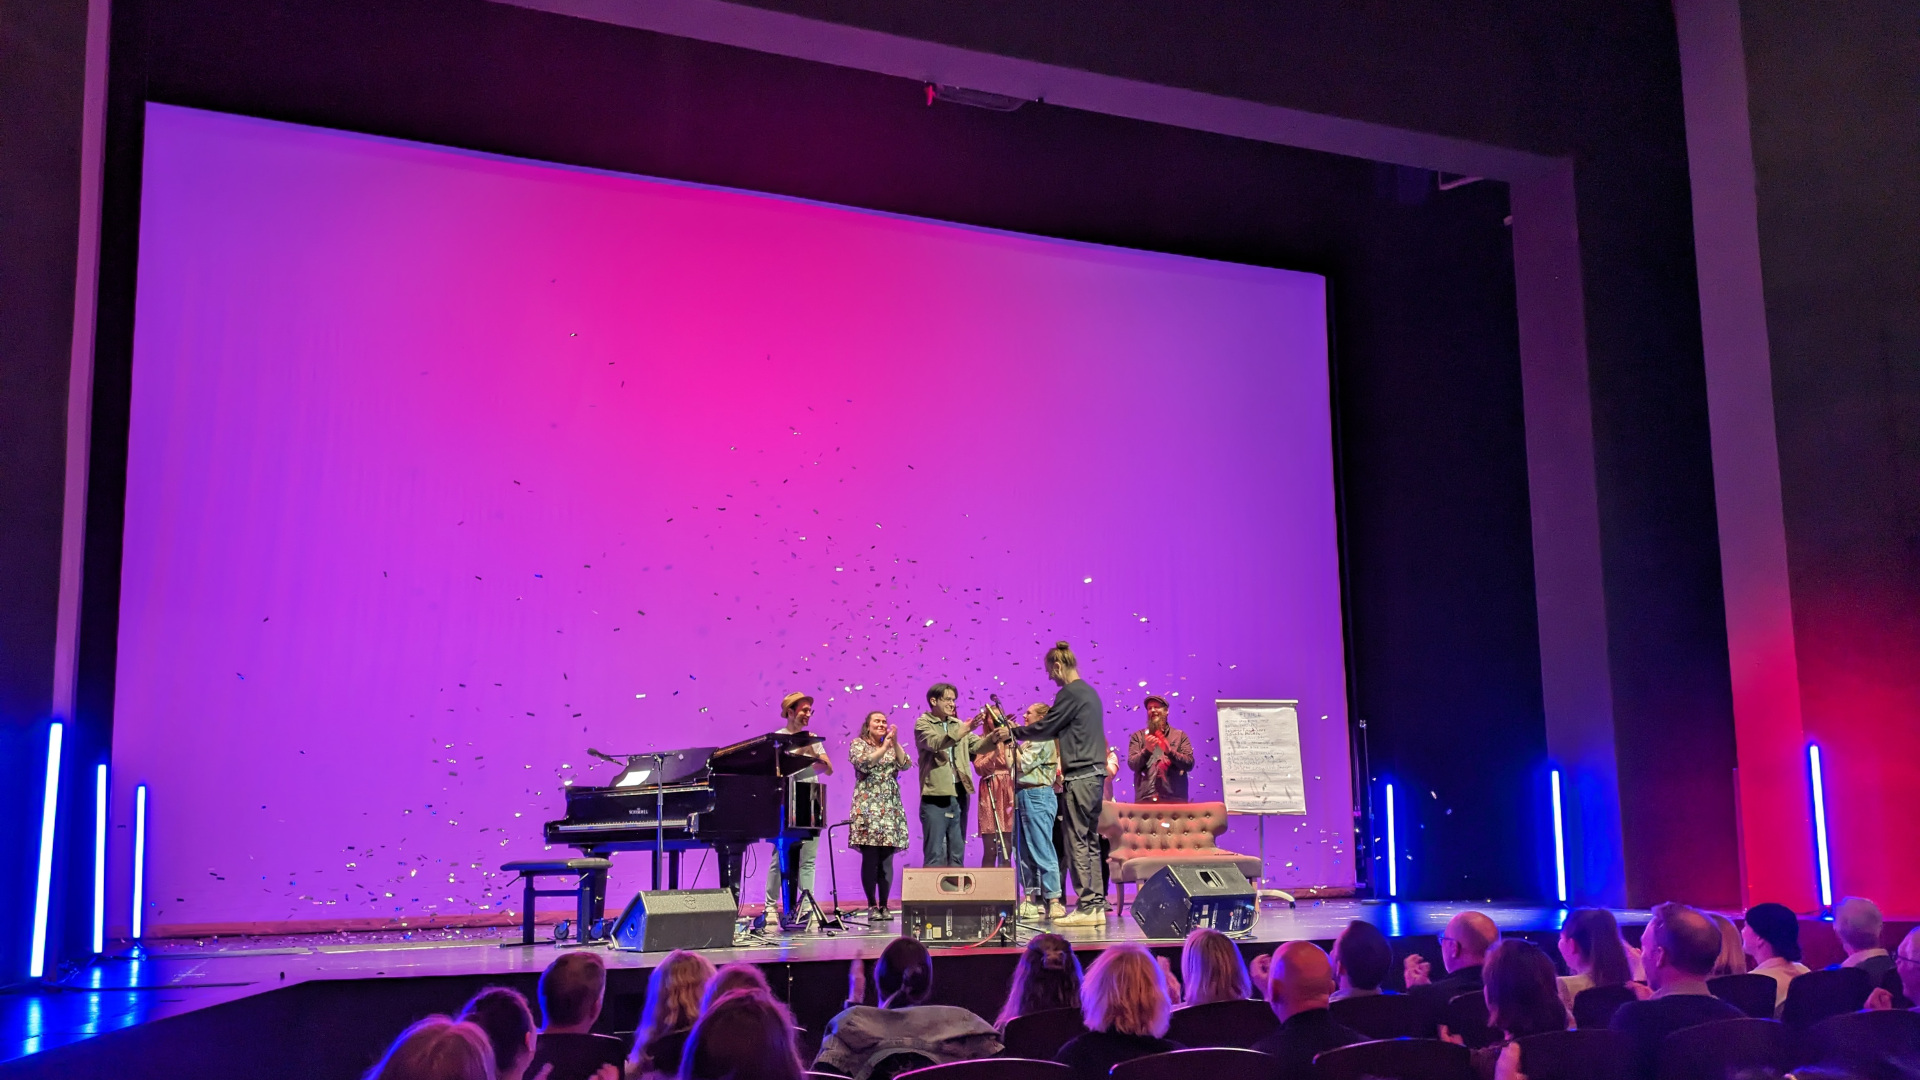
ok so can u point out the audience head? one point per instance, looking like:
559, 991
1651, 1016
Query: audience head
1047, 977
1680, 943
1733, 955
1126, 993
1590, 942
502, 1013
437, 1048
674, 991
1468, 937
733, 977
746, 1035
571, 990
1302, 979
1857, 920
1211, 968
904, 974
1523, 994
1772, 930
1906, 960
1362, 956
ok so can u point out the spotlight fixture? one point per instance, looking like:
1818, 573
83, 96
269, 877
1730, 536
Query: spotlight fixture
978, 99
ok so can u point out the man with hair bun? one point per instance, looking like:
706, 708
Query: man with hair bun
1074, 722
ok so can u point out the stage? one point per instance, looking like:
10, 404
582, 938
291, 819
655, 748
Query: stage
323, 1005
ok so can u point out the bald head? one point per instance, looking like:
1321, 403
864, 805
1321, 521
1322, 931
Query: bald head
1468, 938
1302, 979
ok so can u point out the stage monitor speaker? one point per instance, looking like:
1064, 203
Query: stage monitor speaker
1185, 896
668, 919
957, 905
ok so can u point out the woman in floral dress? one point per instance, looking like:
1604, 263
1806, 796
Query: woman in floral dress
879, 819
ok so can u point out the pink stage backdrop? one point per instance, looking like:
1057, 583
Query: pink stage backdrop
446, 467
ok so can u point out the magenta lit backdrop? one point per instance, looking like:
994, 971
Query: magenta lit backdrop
445, 467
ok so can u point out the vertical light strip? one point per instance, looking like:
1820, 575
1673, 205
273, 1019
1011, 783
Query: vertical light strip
1820, 825
1559, 842
43, 883
100, 858
1393, 850
139, 860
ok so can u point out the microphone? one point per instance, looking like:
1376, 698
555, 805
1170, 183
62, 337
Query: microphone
604, 756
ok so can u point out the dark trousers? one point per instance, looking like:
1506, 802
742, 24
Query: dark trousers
1081, 801
876, 873
943, 830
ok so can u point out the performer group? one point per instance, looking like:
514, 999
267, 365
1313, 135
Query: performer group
1052, 768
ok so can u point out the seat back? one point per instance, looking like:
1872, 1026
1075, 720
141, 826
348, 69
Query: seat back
1042, 1034
1212, 1063
1718, 1050
999, 1068
1817, 995
1138, 829
1857, 1041
1384, 1016
1592, 1054
1594, 1006
1223, 1023
1396, 1059
1466, 1016
1751, 994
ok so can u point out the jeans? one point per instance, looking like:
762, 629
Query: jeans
943, 830
790, 871
1083, 840
1039, 862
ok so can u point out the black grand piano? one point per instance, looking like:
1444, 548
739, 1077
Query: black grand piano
723, 798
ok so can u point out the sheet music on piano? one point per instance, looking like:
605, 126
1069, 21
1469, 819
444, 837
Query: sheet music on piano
1260, 769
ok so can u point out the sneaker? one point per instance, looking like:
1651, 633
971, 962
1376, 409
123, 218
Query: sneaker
1083, 917
1056, 909
1031, 912
881, 914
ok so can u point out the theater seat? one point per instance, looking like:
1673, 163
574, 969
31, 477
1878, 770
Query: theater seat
1817, 995
1396, 1059
1751, 994
1723, 1048
1223, 1023
1143, 837
1384, 1016
1042, 1034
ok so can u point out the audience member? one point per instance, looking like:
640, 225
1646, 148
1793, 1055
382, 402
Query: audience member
1212, 969
1362, 958
1906, 961
746, 1035
674, 992
904, 1032
1463, 950
1733, 954
572, 990
1125, 1004
1772, 938
1299, 989
437, 1048
735, 976
502, 1013
1679, 948
1047, 977
1258, 970
1856, 920
1523, 995
1590, 943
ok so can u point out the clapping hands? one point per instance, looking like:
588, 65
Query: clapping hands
1418, 970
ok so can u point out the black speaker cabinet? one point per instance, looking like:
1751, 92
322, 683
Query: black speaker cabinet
667, 919
958, 905
1183, 897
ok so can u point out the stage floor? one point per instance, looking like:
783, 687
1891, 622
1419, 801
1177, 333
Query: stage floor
186, 976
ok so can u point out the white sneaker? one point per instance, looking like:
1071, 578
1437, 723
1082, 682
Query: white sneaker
1055, 909
1083, 917
1031, 912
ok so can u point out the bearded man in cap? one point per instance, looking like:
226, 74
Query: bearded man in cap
1161, 757
790, 871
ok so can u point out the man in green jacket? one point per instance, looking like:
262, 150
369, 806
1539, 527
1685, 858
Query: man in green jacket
946, 744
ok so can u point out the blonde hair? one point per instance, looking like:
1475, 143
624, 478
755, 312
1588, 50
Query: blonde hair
1733, 953
1062, 654
1126, 992
437, 1048
674, 991
1212, 969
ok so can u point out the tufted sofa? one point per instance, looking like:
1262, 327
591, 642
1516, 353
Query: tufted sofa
1143, 837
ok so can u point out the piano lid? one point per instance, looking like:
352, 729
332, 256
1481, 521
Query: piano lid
771, 754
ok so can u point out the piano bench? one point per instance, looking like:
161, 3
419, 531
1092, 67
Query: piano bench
589, 891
